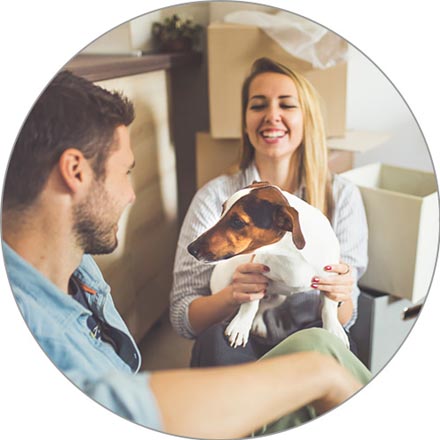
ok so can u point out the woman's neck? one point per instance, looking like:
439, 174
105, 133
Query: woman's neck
282, 173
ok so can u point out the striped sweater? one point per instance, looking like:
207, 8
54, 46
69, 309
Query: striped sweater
191, 277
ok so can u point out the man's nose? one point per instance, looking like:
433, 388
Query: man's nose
132, 195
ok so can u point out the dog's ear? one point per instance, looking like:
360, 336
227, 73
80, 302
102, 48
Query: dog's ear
287, 219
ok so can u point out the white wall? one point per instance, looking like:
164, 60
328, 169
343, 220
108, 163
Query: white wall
374, 104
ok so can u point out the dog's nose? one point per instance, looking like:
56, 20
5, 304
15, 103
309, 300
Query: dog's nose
194, 249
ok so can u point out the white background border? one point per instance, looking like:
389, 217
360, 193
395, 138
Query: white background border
39, 37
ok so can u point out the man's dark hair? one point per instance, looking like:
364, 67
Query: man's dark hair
72, 112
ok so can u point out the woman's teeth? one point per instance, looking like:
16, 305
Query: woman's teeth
272, 134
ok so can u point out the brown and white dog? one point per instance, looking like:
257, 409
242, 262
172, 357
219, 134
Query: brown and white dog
283, 232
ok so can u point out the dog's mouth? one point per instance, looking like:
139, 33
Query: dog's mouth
208, 257
211, 258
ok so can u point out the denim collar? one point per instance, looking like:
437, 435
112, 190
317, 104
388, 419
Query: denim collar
24, 276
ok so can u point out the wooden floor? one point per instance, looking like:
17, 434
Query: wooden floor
162, 348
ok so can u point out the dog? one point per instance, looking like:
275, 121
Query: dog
277, 229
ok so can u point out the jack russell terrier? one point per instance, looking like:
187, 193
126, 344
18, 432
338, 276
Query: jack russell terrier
263, 224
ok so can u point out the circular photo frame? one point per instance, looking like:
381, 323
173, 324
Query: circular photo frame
182, 69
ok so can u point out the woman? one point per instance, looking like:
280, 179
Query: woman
283, 142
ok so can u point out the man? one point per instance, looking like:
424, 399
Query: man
67, 184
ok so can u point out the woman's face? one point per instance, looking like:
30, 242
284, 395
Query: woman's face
274, 120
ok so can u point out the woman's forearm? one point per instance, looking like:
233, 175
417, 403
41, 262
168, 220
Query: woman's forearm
212, 309
230, 402
345, 311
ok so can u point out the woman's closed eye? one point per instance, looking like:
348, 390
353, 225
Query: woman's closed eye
257, 107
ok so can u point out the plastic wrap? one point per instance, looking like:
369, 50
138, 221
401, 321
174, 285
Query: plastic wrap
296, 35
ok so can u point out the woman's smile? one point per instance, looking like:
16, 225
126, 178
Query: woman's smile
273, 134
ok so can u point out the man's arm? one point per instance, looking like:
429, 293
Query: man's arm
230, 402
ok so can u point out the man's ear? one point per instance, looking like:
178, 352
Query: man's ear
74, 168
287, 219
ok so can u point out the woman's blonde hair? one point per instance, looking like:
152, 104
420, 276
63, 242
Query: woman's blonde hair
313, 172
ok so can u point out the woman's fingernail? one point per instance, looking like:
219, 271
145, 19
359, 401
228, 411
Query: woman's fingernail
266, 268
315, 279
327, 268
315, 286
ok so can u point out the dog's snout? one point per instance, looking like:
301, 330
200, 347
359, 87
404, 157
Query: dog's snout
194, 249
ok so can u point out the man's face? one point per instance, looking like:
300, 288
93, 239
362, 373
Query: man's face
96, 217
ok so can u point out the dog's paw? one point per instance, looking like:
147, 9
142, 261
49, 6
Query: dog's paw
336, 329
259, 327
238, 332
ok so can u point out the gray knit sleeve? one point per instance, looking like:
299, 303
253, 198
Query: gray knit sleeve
191, 277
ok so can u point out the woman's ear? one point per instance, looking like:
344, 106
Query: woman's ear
74, 169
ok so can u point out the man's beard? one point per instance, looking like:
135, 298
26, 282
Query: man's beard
94, 233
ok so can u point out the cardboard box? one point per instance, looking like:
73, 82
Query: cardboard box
403, 224
214, 156
232, 49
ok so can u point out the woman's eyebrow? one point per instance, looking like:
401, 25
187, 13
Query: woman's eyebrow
279, 97
258, 97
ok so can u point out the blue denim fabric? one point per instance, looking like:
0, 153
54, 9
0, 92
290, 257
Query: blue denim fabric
59, 324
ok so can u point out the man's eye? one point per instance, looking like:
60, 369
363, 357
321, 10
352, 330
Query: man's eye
236, 223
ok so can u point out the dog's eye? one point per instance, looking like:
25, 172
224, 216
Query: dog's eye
236, 223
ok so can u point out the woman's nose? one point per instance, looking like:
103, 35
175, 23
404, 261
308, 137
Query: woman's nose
272, 114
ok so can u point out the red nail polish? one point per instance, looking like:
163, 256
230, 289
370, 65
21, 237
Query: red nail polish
315, 279
315, 286
266, 268
327, 268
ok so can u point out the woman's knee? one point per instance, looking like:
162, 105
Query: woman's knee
212, 348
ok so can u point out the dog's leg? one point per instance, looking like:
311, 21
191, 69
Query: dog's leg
259, 326
330, 319
239, 328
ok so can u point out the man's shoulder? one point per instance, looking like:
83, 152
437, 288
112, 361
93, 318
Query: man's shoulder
41, 321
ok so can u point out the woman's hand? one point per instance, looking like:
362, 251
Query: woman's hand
338, 288
248, 282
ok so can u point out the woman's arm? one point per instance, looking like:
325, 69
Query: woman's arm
191, 277
230, 402
248, 284
350, 225
338, 288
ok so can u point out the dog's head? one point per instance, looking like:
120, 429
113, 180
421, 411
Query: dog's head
256, 216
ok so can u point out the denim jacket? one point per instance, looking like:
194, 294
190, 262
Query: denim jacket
59, 324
